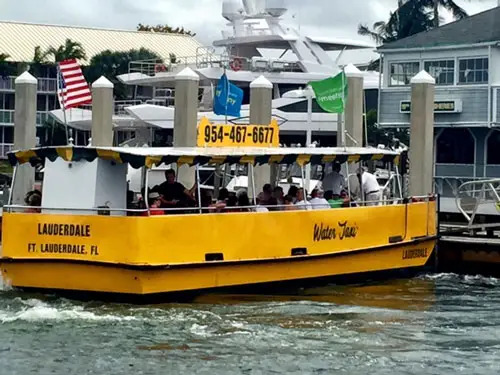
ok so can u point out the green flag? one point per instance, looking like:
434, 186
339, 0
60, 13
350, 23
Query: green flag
331, 93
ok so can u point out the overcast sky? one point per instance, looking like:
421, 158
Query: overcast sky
333, 18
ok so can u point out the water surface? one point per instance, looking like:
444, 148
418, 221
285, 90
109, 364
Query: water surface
434, 324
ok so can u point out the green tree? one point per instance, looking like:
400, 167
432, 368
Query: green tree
69, 50
39, 61
3, 57
384, 136
164, 29
39, 56
111, 64
411, 17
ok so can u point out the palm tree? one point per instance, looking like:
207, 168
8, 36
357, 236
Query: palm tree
39, 56
411, 17
70, 50
450, 5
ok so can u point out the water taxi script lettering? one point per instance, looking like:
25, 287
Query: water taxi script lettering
324, 232
67, 230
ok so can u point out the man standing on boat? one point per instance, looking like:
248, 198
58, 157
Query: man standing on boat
173, 193
370, 186
334, 181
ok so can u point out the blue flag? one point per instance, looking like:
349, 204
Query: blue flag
228, 98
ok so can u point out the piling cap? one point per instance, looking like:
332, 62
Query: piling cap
26, 78
102, 83
423, 77
261, 83
187, 74
351, 71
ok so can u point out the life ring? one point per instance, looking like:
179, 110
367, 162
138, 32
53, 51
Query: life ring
160, 68
236, 64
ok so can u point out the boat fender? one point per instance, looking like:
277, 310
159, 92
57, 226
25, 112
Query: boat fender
236, 64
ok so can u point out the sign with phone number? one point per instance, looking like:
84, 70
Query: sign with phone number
229, 135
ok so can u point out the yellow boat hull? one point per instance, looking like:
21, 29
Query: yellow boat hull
180, 253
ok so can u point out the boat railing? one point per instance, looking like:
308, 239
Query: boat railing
472, 195
12, 208
206, 58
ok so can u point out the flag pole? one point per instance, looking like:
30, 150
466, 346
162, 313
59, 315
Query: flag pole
62, 103
342, 124
308, 134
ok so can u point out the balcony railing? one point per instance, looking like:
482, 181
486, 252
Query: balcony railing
44, 84
7, 117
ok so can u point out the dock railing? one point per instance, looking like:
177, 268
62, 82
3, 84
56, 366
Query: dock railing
474, 195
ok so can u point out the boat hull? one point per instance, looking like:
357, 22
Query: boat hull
184, 253
143, 280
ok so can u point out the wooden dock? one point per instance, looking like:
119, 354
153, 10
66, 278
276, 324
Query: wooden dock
469, 249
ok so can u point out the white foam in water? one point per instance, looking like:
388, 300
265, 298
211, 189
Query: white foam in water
4, 284
478, 279
40, 311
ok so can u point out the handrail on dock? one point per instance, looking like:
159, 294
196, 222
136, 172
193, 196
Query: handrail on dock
472, 194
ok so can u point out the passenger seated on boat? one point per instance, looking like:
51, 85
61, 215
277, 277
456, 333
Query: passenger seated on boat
288, 203
292, 192
266, 196
260, 207
335, 201
317, 201
34, 200
173, 193
279, 195
206, 200
221, 203
154, 204
243, 201
232, 203
301, 202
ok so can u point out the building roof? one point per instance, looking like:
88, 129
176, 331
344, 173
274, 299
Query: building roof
480, 28
19, 40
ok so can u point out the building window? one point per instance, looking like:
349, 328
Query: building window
443, 71
455, 146
403, 72
493, 156
473, 71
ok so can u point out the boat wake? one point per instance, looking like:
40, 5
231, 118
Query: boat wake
34, 310
463, 279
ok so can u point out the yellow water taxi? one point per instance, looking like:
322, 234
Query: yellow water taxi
84, 239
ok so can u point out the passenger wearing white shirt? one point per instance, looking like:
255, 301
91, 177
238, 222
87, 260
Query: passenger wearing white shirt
302, 203
318, 202
371, 188
334, 181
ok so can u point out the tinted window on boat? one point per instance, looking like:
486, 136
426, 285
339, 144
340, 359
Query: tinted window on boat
455, 146
301, 107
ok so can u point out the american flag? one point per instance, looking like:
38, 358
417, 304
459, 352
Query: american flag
72, 88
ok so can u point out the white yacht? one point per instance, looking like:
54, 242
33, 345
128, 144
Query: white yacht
257, 43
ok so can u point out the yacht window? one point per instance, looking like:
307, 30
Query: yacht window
473, 71
443, 71
301, 107
455, 146
403, 72
493, 156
